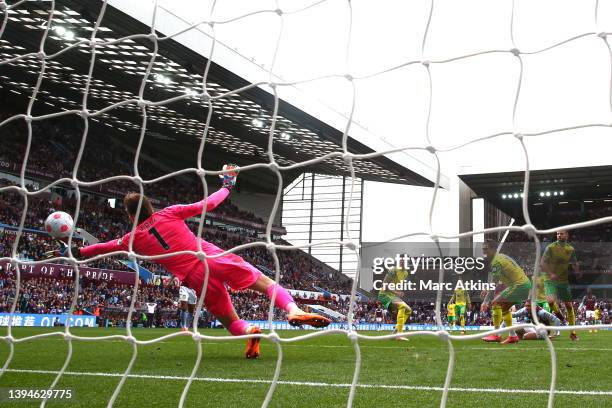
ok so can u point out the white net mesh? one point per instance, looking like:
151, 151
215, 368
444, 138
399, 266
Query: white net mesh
94, 43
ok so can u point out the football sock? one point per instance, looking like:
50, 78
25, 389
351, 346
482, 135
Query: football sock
497, 316
403, 313
283, 300
238, 327
571, 317
507, 315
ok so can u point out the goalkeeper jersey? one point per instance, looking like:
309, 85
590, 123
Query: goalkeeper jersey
559, 256
506, 269
165, 232
461, 297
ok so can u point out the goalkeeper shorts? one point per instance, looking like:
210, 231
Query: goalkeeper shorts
516, 293
559, 289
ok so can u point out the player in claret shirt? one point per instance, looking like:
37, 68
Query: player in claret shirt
589, 304
165, 232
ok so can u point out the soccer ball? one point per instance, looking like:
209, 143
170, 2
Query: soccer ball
59, 224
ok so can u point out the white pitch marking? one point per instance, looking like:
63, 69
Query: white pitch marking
314, 384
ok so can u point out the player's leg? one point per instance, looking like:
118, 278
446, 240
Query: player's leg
564, 295
191, 304
496, 313
239, 275
550, 289
184, 316
218, 302
507, 318
571, 319
508, 297
238, 327
451, 322
183, 298
283, 300
513, 295
403, 314
191, 311
544, 305
460, 313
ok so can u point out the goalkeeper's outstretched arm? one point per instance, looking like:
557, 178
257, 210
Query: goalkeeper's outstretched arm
212, 201
185, 211
146, 211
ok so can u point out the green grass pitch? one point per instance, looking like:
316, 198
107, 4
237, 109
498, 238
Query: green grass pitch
315, 372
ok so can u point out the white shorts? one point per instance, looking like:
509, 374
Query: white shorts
590, 314
187, 295
379, 320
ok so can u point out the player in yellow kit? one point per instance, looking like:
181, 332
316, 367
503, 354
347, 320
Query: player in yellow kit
541, 299
558, 259
461, 298
392, 301
450, 313
506, 270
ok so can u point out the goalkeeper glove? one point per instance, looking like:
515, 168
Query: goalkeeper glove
63, 251
229, 178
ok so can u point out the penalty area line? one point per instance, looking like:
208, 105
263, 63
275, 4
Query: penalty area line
312, 384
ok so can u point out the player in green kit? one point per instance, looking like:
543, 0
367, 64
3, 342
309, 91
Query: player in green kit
506, 270
451, 312
391, 299
461, 298
558, 259
541, 299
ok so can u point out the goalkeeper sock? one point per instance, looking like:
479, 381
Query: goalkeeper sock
571, 316
403, 313
507, 315
238, 327
283, 300
497, 316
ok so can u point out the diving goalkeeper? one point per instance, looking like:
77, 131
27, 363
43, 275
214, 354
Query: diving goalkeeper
165, 232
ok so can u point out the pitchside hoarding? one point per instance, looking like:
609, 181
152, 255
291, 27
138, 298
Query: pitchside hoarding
46, 320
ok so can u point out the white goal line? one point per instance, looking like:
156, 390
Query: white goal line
316, 384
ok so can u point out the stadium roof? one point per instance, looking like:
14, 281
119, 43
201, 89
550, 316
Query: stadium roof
117, 76
579, 183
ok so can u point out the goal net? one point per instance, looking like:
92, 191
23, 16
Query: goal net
53, 24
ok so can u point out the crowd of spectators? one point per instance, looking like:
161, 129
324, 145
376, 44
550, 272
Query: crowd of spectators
52, 158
